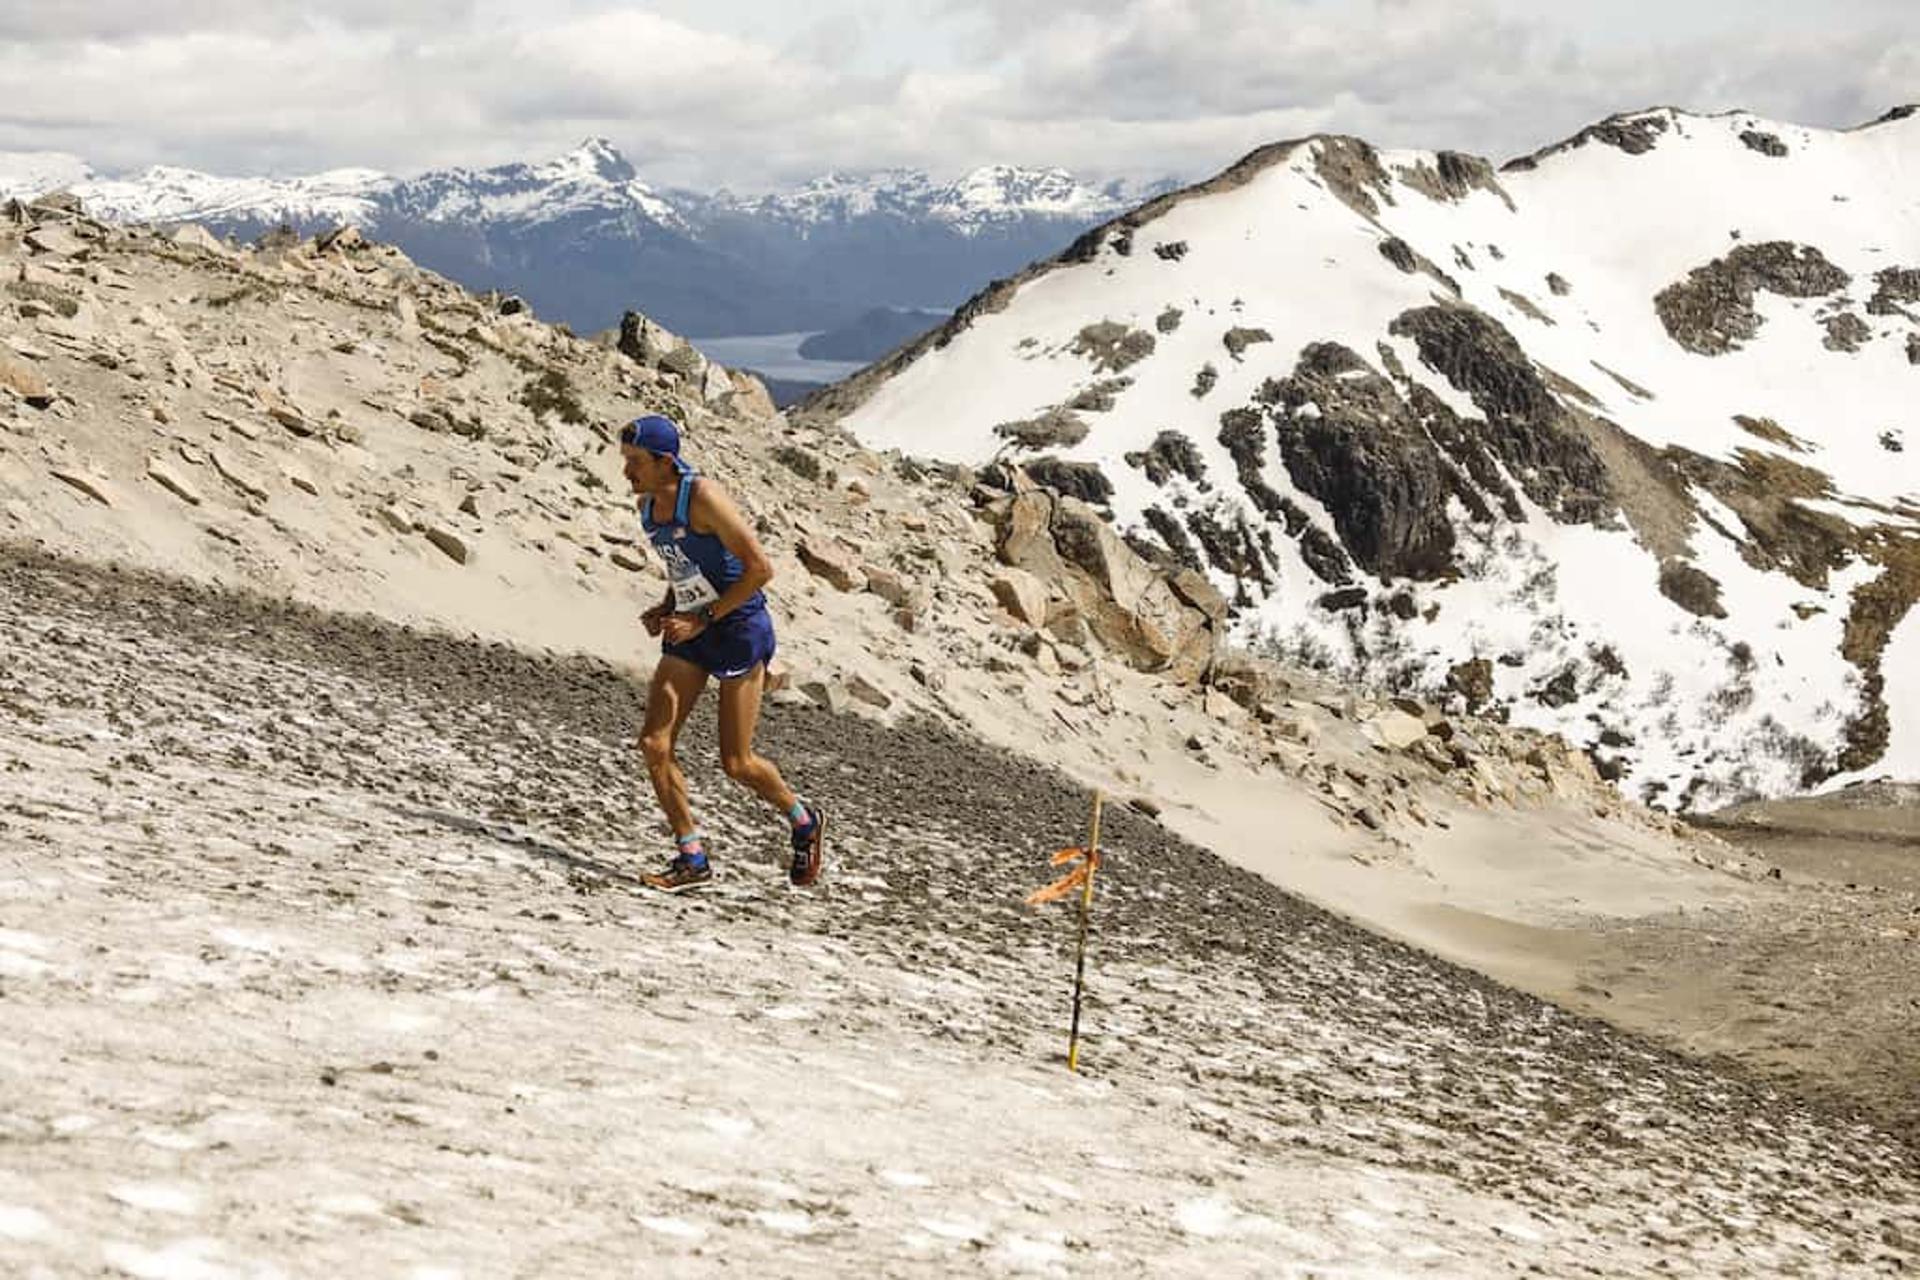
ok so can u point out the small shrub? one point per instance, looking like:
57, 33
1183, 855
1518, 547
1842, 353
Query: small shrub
552, 392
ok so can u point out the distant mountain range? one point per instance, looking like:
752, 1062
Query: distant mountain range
583, 239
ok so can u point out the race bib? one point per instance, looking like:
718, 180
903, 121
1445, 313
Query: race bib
690, 586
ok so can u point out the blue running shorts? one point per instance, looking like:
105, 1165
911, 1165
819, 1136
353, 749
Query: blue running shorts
731, 647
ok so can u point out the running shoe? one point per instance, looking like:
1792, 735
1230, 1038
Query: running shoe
809, 847
682, 873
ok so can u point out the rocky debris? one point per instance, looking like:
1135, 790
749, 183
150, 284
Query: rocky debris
1913, 348
92, 486
1021, 594
1767, 144
827, 559
750, 396
234, 475
1395, 730
1711, 312
1204, 380
191, 235
451, 544
164, 475
1168, 321
1134, 609
26, 382
58, 240
1557, 285
801, 462
1112, 346
1491, 1109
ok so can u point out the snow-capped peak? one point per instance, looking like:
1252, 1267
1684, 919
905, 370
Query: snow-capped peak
31, 173
595, 159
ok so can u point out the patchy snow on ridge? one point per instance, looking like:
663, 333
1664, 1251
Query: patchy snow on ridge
1659, 380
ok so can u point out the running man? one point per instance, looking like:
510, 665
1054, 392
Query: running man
713, 622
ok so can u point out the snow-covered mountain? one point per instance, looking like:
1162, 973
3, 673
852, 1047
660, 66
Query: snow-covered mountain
1619, 439
584, 239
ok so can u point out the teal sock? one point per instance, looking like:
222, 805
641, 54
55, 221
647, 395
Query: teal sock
692, 847
798, 815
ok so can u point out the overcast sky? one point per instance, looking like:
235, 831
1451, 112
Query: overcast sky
750, 93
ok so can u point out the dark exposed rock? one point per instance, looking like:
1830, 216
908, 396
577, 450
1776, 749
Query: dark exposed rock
1100, 397
1112, 346
1627, 384
1562, 689
1894, 286
1692, 589
1845, 331
1082, 480
1635, 135
1399, 253
1174, 535
1168, 320
1454, 176
1401, 605
1711, 311
1913, 348
1767, 144
1362, 453
1472, 680
1352, 171
1527, 428
1345, 598
1765, 490
1390, 360
1054, 429
1525, 306
1557, 284
1890, 441
1237, 339
1229, 544
1170, 250
1324, 556
1203, 381
1170, 454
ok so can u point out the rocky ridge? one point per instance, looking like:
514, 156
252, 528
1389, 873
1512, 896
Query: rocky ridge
1459, 450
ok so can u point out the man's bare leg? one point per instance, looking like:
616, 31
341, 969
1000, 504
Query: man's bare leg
739, 717
676, 687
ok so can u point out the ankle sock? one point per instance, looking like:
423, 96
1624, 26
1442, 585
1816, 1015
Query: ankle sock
692, 847
798, 814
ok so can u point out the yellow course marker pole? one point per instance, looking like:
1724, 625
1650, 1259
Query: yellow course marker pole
1080, 950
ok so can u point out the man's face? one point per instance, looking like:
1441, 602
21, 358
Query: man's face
641, 468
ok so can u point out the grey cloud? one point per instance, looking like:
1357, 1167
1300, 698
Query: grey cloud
1137, 87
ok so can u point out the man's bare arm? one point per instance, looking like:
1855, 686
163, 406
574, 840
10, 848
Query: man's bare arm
713, 511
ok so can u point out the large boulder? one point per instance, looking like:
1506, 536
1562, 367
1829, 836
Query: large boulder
1131, 606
